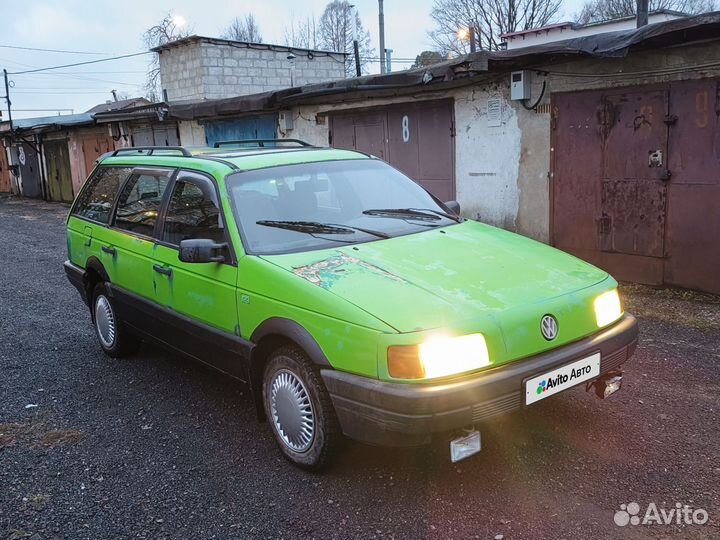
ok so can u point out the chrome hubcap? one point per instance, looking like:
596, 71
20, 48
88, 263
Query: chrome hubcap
105, 321
292, 411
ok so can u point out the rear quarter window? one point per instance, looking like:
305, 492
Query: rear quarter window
96, 199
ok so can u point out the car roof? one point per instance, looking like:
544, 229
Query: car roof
226, 159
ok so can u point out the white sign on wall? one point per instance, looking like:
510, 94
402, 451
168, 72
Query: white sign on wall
494, 112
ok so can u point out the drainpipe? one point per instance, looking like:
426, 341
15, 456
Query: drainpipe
642, 12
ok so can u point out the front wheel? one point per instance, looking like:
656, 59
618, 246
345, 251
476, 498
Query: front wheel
299, 409
113, 336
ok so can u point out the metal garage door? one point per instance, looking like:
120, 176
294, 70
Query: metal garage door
417, 138
4, 172
636, 181
29, 165
93, 146
59, 176
163, 135
251, 127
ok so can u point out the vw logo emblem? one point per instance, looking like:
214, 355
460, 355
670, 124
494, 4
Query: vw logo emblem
549, 327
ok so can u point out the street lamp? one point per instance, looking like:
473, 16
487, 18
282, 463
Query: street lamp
468, 34
179, 21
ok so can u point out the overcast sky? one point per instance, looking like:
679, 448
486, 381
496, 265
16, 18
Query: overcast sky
115, 27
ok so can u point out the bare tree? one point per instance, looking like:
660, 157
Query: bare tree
604, 10
245, 29
167, 30
490, 18
303, 34
335, 33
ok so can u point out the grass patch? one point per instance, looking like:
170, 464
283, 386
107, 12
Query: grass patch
37, 435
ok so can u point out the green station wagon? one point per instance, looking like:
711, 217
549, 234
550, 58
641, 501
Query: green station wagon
349, 299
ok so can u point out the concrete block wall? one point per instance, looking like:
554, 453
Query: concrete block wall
215, 69
180, 72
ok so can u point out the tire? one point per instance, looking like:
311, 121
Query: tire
294, 396
114, 337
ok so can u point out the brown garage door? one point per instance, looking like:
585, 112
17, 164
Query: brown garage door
417, 138
635, 181
4, 171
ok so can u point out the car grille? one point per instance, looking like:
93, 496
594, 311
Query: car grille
500, 405
613, 360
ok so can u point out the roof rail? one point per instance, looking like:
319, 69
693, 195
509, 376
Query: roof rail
261, 142
148, 150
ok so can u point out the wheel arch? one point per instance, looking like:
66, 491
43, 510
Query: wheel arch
94, 273
267, 337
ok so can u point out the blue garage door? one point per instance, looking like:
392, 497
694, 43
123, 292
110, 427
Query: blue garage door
252, 127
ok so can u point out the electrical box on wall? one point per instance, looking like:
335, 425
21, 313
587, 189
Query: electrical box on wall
285, 120
520, 85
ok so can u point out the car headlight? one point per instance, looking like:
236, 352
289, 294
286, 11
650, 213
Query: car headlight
438, 356
607, 308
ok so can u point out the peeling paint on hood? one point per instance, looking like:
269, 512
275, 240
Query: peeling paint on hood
326, 272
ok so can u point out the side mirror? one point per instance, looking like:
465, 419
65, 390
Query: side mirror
201, 250
453, 206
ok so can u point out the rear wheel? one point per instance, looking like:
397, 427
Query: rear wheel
114, 337
299, 409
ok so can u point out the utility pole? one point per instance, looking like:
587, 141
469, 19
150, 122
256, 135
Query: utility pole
388, 59
642, 13
7, 97
356, 46
381, 21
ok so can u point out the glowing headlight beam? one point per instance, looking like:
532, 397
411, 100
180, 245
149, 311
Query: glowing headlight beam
446, 355
607, 308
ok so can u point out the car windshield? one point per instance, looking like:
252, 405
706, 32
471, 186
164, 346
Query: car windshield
318, 205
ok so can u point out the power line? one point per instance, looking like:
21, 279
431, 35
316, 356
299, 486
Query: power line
48, 50
92, 79
42, 110
80, 63
86, 72
66, 75
63, 93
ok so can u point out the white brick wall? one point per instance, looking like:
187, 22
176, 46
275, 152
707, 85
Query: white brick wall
213, 69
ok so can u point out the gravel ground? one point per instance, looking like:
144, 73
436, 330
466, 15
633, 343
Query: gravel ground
158, 447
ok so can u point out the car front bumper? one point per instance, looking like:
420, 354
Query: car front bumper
396, 414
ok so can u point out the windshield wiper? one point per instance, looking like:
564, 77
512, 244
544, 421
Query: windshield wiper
314, 227
458, 219
425, 214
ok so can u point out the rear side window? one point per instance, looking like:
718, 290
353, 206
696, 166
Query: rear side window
139, 202
193, 211
96, 199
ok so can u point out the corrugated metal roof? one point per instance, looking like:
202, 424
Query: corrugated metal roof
60, 121
119, 105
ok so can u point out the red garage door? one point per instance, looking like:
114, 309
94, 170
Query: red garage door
636, 181
417, 138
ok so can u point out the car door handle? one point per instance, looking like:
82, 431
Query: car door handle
109, 250
164, 270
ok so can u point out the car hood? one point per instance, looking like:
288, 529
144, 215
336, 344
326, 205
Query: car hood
440, 276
